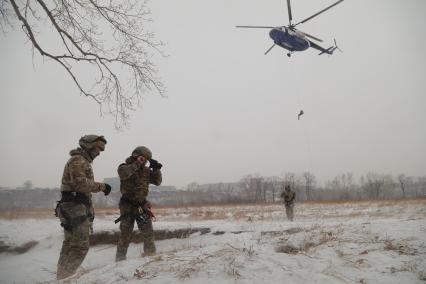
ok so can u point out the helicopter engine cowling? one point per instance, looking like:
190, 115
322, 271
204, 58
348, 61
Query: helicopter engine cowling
289, 39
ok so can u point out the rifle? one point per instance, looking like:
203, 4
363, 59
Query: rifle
141, 218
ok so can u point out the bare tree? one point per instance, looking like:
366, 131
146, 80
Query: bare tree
264, 187
246, 184
420, 186
193, 186
257, 186
347, 181
309, 182
402, 179
389, 185
106, 35
404, 183
342, 184
267, 187
373, 183
252, 185
272, 184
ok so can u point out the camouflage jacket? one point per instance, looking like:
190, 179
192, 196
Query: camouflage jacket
135, 179
78, 174
289, 197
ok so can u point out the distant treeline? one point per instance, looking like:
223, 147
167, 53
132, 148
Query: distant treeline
341, 187
250, 189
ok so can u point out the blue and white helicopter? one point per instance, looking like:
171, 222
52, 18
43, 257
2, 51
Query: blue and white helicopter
290, 38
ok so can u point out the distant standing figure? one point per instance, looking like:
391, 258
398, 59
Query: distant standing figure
135, 178
75, 209
300, 114
289, 197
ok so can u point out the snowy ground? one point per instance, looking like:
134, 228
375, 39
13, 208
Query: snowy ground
364, 242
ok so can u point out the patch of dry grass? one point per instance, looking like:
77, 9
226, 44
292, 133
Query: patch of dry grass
232, 269
315, 236
290, 231
260, 211
385, 202
25, 213
5, 248
399, 248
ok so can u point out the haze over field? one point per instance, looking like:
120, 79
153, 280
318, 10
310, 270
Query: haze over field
230, 110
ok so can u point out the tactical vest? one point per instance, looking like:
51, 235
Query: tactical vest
137, 186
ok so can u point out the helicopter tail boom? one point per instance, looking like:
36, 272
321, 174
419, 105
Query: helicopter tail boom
331, 49
328, 50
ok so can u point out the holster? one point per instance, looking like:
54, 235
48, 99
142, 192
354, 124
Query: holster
73, 209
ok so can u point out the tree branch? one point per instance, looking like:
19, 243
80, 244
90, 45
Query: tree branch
78, 25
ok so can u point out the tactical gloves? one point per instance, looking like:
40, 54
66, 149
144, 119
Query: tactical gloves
147, 205
154, 164
107, 189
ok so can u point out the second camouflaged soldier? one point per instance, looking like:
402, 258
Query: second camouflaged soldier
135, 178
289, 197
75, 209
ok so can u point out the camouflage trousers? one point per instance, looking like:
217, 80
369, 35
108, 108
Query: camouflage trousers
74, 249
126, 229
289, 210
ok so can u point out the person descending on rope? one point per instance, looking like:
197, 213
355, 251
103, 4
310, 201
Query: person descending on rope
300, 114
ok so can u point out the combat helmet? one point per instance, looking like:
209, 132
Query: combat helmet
142, 151
91, 141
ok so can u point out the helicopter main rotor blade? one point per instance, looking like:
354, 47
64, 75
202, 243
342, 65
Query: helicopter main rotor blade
310, 36
256, 27
290, 17
270, 49
316, 14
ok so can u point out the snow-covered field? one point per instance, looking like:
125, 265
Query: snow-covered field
363, 242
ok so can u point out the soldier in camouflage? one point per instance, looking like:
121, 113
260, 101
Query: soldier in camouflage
75, 209
289, 197
135, 178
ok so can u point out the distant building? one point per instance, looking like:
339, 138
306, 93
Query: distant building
28, 198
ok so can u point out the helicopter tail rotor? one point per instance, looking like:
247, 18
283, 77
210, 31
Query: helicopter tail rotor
331, 49
336, 47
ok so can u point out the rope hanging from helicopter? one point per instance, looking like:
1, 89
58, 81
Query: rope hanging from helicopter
300, 117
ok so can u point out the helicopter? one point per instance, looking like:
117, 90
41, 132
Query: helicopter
288, 37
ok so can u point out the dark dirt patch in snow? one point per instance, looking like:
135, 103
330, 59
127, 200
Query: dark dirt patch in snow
287, 249
5, 248
290, 231
111, 237
216, 233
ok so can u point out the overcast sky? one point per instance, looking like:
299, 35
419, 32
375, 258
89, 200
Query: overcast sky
230, 110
